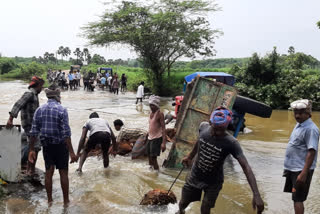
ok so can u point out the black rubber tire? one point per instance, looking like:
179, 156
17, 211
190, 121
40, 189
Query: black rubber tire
247, 105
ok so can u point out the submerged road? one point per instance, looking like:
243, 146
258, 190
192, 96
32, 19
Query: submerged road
120, 188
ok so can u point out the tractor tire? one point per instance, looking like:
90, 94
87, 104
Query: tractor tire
247, 105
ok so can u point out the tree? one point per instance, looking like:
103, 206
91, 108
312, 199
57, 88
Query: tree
160, 34
66, 51
86, 55
97, 59
7, 65
61, 52
78, 54
34, 59
291, 50
318, 23
46, 56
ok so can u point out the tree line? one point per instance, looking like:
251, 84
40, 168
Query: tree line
278, 79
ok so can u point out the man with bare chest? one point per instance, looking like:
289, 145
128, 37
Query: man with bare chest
156, 135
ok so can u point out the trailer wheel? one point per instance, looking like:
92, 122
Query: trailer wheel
247, 105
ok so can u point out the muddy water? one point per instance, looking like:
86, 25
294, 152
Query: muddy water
120, 188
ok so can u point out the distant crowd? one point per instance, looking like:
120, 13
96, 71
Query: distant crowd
103, 80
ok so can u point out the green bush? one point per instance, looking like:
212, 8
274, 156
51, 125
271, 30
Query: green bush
6, 65
26, 71
270, 79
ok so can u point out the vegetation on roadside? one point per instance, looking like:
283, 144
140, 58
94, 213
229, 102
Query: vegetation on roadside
273, 79
278, 79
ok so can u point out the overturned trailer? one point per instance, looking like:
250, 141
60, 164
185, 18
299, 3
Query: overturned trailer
201, 97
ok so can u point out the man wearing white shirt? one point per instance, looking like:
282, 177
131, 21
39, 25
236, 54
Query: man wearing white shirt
140, 92
100, 133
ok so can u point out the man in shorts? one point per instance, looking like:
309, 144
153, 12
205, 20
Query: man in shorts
213, 146
157, 132
301, 154
51, 122
100, 133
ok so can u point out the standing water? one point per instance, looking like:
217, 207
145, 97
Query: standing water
120, 188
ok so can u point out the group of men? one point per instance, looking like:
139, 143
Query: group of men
49, 125
112, 81
74, 78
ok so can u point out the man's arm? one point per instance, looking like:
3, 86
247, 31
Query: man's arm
82, 140
312, 141
17, 107
120, 136
114, 142
142, 90
66, 133
32, 153
163, 127
35, 131
73, 157
256, 201
302, 177
187, 160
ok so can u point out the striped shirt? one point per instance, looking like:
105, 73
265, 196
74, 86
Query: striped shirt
51, 122
130, 134
27, 104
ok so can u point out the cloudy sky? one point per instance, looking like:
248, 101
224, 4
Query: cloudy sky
30, 28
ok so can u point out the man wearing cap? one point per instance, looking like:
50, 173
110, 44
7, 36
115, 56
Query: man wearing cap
27, 104
301, 154
210, 151
51, 122
157, 132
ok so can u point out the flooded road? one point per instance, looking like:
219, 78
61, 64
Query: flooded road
120, 188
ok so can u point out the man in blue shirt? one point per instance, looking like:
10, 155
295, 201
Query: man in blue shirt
51, 122
103, 82
301, 154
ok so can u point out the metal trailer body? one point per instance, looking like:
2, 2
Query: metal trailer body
200, 99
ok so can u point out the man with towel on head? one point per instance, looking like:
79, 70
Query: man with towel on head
301, 154
157, 132
210, 151
51, 122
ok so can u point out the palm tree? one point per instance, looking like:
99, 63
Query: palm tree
61, 51
78, 54
66, 51
86, 54
46, 57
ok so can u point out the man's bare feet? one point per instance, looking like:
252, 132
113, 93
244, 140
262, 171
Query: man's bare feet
66, 203
79, 171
